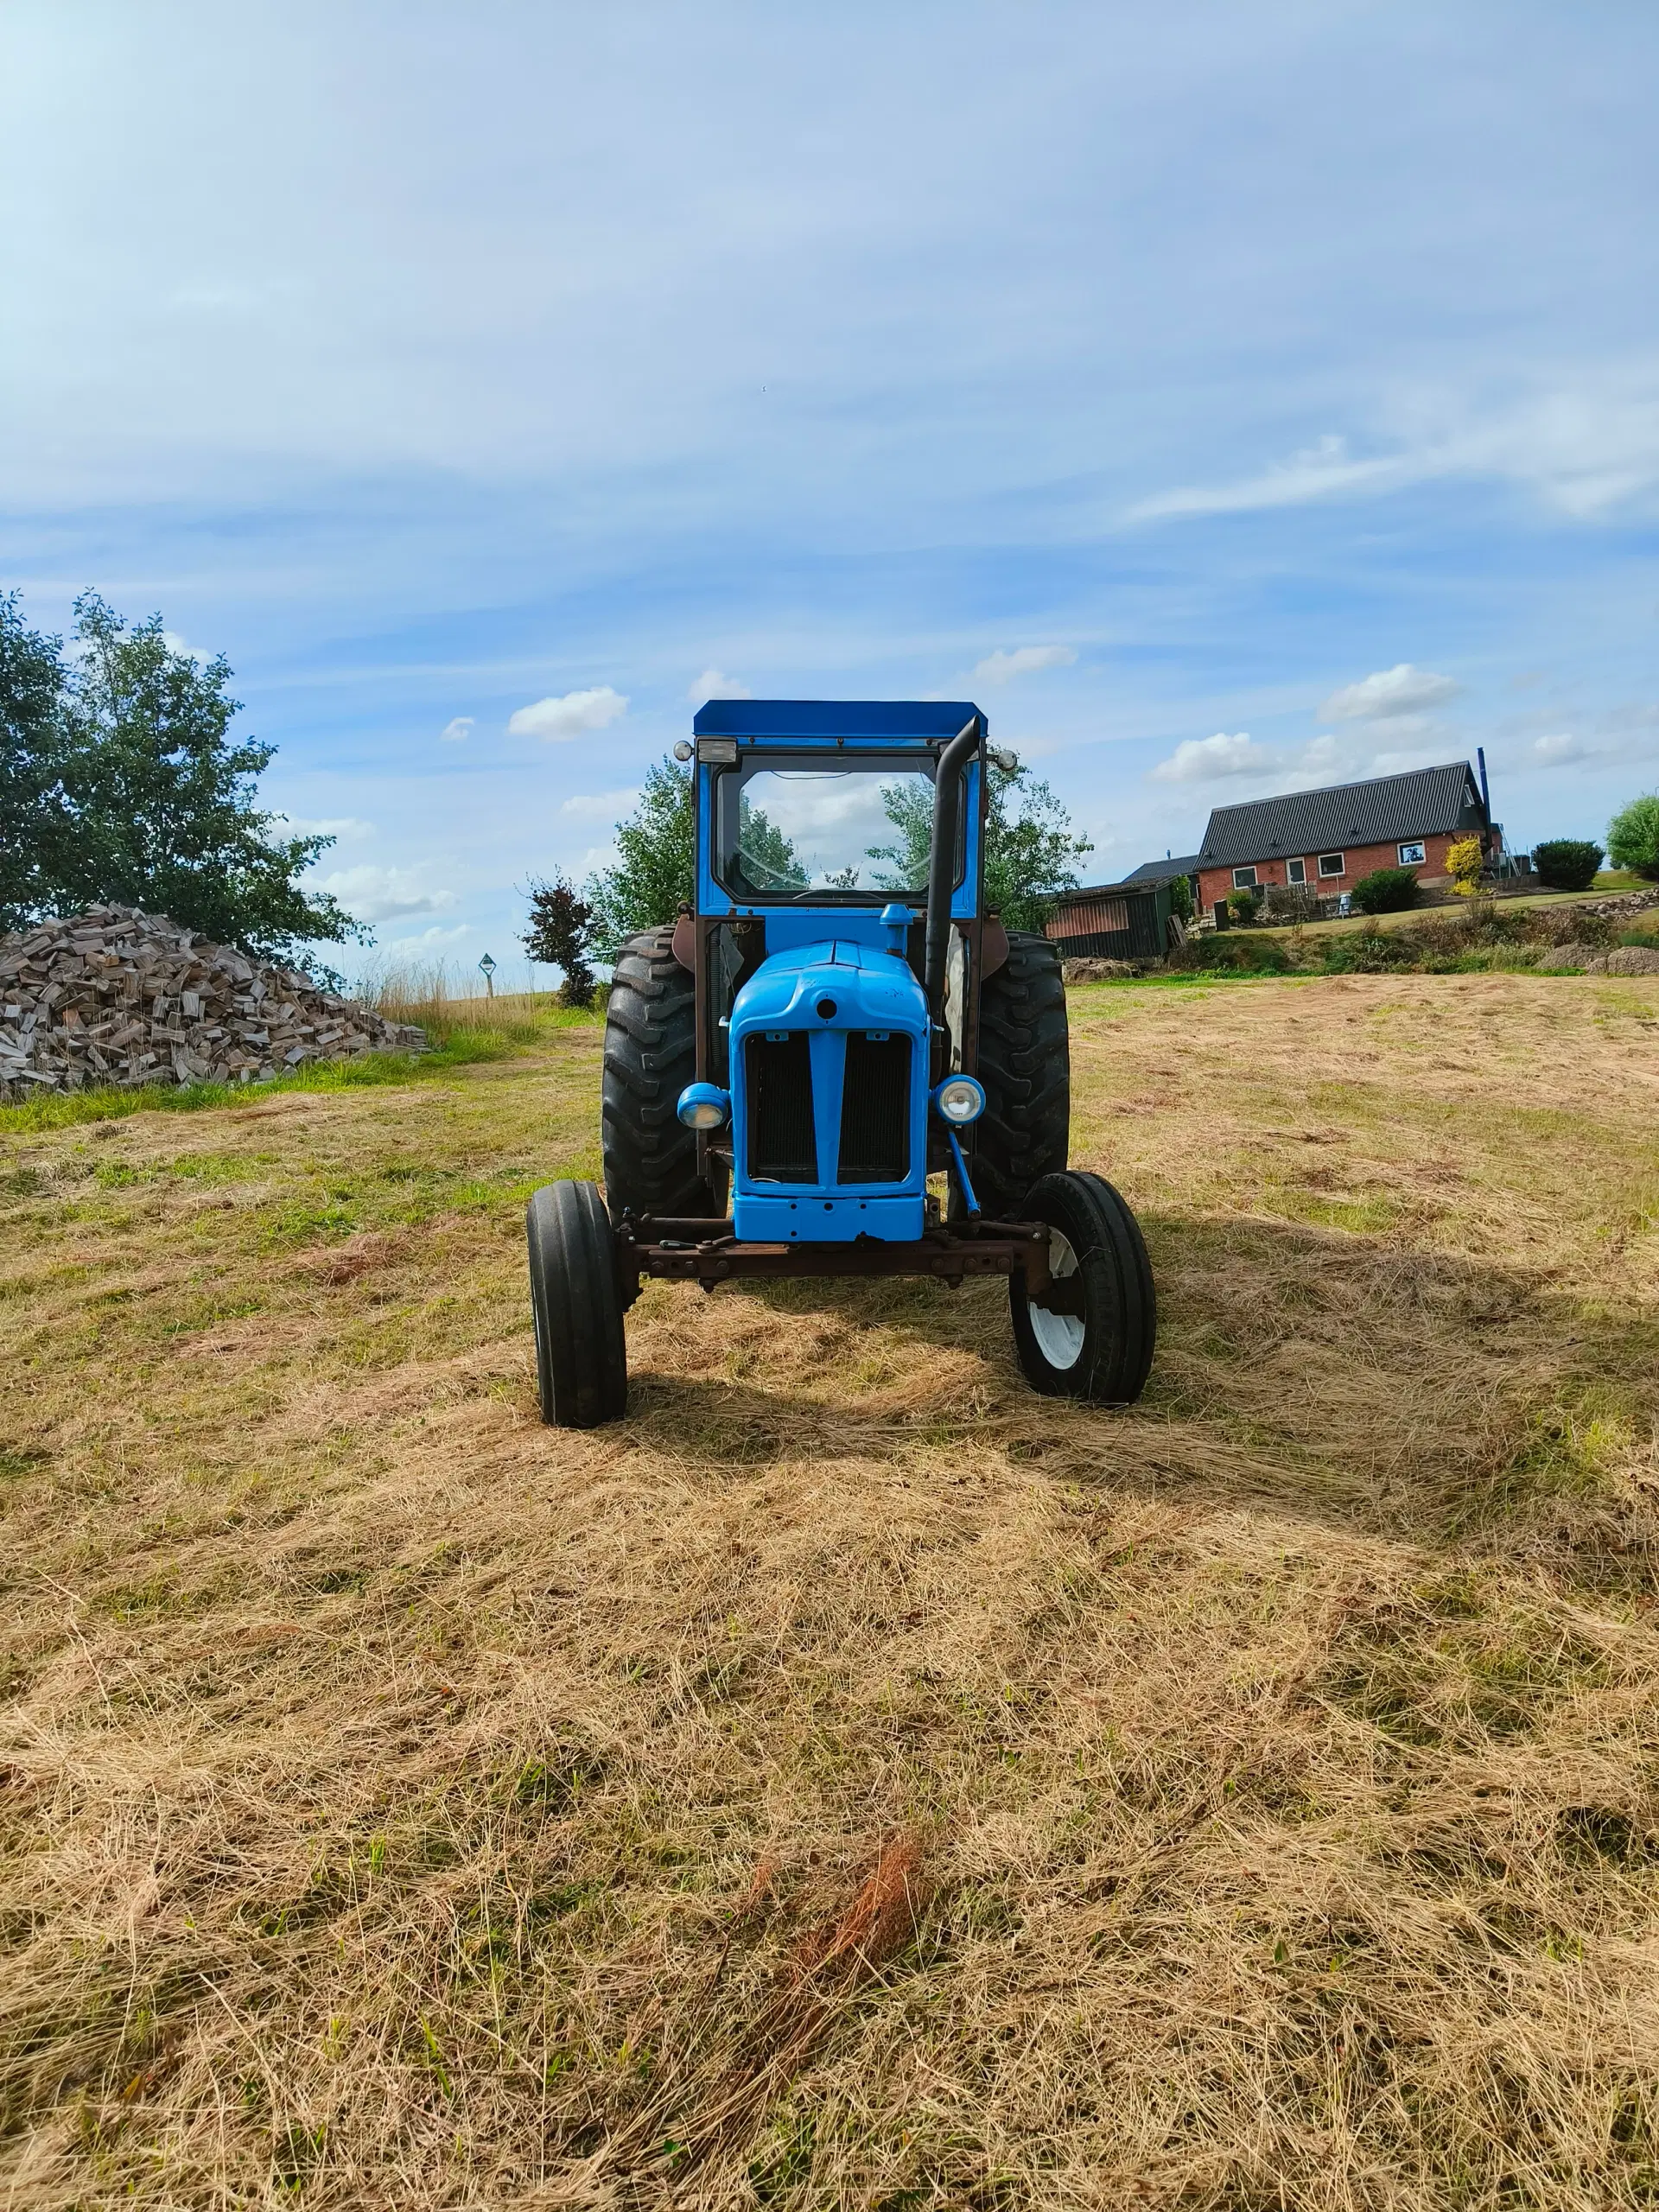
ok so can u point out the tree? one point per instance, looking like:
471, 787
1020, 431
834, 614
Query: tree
1465, 859
769, 859
36, 821
135, 792
558, 933
1030, 854
657, 856
1566, 863
1633, 837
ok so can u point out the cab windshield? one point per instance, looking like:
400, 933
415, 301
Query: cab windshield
800, 828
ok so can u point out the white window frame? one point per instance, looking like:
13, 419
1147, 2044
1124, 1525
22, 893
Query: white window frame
1295, 871
1341, 867
1244, 879
1414, 855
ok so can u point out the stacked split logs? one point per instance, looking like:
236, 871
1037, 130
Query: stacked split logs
118, 996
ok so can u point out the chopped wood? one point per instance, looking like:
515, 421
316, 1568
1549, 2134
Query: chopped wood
118, 996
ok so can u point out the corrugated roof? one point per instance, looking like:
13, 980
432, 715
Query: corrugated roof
1423, 803
1164, 871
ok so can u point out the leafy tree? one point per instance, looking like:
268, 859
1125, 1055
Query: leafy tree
141, 796
36, 822
1181, 896
1633, 837
558, 934
769, 858
1031, 851
657, 852
1386, 890
1465, 861
1566, 863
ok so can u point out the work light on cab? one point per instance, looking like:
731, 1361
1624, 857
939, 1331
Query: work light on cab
704, 1106
959, 1100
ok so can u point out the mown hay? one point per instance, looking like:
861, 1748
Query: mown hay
851, 1779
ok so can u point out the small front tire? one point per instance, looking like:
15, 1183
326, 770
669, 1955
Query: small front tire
1091, 1335
582, 1354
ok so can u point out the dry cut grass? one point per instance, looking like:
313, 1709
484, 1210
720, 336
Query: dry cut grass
850, 1780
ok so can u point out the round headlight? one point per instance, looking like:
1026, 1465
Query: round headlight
959, 1099
703, 1106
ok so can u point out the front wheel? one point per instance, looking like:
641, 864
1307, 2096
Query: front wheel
582, 1354
1091, 1333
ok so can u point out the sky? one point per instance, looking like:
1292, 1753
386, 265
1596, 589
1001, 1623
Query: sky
1229, 398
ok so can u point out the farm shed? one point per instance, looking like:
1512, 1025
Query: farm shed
1112, 921
1325, 841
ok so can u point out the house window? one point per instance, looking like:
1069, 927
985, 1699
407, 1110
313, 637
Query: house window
1243, 879
1411, 856
1331, 863
1296, 871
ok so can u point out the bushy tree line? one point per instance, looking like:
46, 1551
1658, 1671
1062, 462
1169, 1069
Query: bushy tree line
120, 782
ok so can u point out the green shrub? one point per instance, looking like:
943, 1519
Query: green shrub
1387, 891
1244, 903
1370, 952
1566, 863
1205, 953
1633, 837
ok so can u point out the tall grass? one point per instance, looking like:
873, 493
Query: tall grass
452, 1011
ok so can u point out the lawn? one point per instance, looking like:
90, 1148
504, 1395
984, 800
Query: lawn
850, 1781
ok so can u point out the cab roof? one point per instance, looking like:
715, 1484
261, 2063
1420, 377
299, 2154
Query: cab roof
916, 720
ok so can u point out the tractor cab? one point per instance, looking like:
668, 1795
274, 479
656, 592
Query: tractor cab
834, 1036
816, 909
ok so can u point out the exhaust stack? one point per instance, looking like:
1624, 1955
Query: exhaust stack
942, 861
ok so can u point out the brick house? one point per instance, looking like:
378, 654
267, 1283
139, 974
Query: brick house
1325, 841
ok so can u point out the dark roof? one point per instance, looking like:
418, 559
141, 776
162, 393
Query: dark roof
1164, 871
1424, 802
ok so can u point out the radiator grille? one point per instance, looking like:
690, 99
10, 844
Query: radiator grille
876, 1111
778, 1073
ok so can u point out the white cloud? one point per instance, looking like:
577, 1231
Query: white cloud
328, 825
713, 684
604, 803
558, 720
383, 895
175, 644
1560, 750
1391, 692
458, 731
1204, 759
1025, 660
435, 935
1314, 474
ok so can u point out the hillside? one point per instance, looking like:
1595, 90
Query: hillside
853, 1780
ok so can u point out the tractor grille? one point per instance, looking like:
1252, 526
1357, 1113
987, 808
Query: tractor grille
778, 1072
876, 1111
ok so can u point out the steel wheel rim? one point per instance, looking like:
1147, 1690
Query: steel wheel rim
1060, 1335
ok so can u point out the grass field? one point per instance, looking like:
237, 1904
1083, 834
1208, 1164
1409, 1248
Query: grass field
851, 1781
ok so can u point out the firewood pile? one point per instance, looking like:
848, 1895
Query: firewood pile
118, 996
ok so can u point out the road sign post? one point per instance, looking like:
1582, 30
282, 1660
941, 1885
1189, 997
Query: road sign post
487, 969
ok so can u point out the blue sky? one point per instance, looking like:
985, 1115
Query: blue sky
1228, 396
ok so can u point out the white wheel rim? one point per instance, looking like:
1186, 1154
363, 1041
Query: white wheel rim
1060, 1335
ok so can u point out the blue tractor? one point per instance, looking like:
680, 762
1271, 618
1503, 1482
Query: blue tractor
837, 1019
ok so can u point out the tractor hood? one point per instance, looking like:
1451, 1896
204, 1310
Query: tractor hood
870, 989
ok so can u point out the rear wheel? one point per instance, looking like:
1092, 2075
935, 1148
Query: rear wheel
582, 1356
1025, 1064
651, 1054
1091, 1333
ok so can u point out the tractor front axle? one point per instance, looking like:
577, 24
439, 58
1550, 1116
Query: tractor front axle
702, 1250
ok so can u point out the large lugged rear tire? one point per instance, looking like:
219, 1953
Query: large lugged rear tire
581, 1353
1025, 1064
651, 1054
1092, 1334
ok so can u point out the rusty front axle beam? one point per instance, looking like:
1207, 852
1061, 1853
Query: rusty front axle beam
685, 1251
